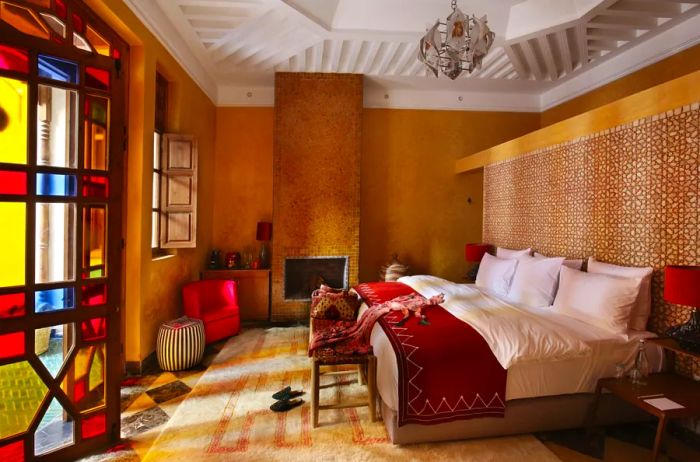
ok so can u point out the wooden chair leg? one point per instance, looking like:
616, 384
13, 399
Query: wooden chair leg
372, 387
360, 374
315, 369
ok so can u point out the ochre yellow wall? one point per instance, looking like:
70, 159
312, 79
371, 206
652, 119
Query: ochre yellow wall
152, 287
675, 66
242, 179
412, 203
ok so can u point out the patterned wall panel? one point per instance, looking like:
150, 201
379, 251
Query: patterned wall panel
628, 195
316, 176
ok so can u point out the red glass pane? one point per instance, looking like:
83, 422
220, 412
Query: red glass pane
14, 59
94, 426
11, 345
116, 54
94, 329
78, 24
95, 186
97, 78
94, 295
12, 305
60, 8
13, 452
13, 182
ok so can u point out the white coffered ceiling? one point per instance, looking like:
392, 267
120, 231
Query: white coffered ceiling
546, 51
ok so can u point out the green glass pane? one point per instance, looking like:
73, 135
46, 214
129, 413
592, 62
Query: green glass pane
99, 111
21, 393
13, 121
13, 239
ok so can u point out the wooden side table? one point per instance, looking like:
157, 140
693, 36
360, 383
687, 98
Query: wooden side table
674, 387
253, 291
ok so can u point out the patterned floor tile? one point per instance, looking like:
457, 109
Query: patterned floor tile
169, 391
143, 421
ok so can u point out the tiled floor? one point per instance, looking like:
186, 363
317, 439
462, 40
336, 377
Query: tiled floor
150, 400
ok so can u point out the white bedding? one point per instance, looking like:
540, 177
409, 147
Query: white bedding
545, 353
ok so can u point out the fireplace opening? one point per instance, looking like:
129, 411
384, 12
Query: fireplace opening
303, 275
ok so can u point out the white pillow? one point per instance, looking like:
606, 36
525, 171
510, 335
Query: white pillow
495, 274
642, 307
599, 299
573, 263
509, 253
535, 281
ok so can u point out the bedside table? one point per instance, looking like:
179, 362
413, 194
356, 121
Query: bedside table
683, 391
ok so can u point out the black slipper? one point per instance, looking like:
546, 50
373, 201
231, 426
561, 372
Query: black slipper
280, 394
285, 405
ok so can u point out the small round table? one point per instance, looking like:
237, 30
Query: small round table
180, 344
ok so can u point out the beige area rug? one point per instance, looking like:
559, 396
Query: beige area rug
227, 416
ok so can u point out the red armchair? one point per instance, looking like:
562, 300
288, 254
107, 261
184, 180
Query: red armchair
215, 302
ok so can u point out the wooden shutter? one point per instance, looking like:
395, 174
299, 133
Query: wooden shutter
178, 195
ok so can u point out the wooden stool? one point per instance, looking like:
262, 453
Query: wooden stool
366, 368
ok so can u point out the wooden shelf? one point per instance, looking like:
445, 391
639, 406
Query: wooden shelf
672, 345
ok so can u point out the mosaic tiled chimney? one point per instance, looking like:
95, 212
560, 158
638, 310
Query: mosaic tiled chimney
316, 185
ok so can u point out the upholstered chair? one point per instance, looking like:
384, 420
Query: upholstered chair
215, 302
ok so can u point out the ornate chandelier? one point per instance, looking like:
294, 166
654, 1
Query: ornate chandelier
466, 41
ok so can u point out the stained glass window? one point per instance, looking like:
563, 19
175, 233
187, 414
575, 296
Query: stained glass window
94, 242
13, 240
23, 19
12, 182
98, 42
55, 242
11, 345
14, 59
41, 3
97, 78
94, 295
60, 8
54, 300
52, 345
12, 305
58, 26
57, 127
13, 117
96, 186
80, 43
78, 23
85, 380
25, 404
96, 133
53, 184
58, 69
93, 329
94, 426
56, 429
13, 452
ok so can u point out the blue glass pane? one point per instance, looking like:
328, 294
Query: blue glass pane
52, 184
55, 299
58, 69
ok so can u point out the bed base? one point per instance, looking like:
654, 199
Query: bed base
522, 416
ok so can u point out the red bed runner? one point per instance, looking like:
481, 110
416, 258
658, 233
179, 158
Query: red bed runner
447, 371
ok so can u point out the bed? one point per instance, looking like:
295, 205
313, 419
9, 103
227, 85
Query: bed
553, 362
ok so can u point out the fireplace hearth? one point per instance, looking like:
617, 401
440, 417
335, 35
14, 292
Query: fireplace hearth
303, 275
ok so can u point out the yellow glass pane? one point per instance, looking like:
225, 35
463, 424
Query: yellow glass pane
100, 45
13, 121
13, 215
84, 383
22, 392
94, 237
95, 146
23, 19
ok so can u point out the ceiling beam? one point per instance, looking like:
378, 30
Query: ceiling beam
624, 22
347, 62
515, 57
388, 57
565, 52
548, 56
532, 61
410, 53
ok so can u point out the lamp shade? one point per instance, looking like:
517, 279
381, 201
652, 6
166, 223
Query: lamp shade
475, 252
682, 285
264, 232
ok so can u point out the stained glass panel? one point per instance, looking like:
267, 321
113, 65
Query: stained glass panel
94, 426
52, 346
40, 3
13, 452
96, 186
12, 182
11, 345
55, 242
23, 19
18, 409
12, 305
54, 300
58, 26
60, 8
80, 43
96, 133
78, 23
94, 295
98, 42
13, 121
94, 242
85, 381
14, 59
57, 127
93, 329
56, 429
13, 240
97, 78
53, 184
98, 111
58, 69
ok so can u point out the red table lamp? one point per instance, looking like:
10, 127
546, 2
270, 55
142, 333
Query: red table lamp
473, 253
682, 287
264, 234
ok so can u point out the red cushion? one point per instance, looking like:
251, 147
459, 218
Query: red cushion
216, 314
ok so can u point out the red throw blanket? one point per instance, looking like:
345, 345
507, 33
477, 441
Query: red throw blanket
447, 371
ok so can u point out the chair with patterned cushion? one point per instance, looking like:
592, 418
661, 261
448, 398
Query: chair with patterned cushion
215, 302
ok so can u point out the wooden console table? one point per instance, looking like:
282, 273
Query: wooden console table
253, 291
